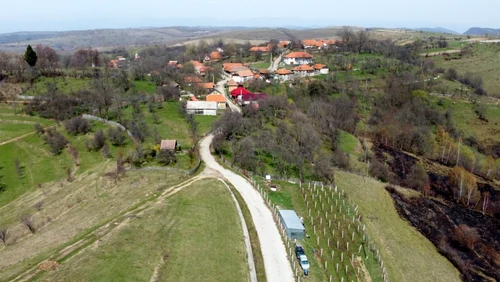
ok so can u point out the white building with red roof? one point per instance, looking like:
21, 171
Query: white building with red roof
298, 58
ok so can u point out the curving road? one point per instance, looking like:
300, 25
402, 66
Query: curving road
277, 267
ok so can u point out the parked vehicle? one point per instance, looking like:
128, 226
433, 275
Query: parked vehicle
301, 256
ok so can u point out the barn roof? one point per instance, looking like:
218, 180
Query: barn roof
201, 105
168, 144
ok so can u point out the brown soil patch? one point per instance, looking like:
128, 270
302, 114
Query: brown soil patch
49, 265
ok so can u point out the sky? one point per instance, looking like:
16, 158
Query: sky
59, 15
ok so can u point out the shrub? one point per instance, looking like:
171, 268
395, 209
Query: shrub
379, 171
99, 140
466, 236
166, 157
116, 136
77, 125
55, 140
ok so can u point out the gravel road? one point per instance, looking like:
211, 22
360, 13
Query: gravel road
273, 250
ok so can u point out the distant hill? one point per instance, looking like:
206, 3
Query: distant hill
483, 31
68, 41
437, 30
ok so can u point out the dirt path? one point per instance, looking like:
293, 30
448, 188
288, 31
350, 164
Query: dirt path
222, 90
16, 138
273, 250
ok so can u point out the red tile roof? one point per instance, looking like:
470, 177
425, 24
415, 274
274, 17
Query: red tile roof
298, 55
216, 98
283, 72
303, 68
245, 73
263, 49
215, 55
228, 66
208, 85
196, 64
318, 66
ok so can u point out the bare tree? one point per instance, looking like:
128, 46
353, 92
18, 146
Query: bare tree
4, 235
28, 221
38, 205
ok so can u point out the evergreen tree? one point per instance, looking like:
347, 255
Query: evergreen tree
30, 56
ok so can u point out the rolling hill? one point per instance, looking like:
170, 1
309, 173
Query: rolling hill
482, 31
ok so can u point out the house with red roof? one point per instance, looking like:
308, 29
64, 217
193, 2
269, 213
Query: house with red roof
231, 85
219, 98
282, 74
262, 49
303, 70
298, 58
215, 56
320, 68
240, 90
242, 76
250, 98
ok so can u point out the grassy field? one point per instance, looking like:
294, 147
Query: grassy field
71, 211
484, 61
172, 125
260, 65
142, 86
467, 121
64, 84
185, 239
408, 255
13, 123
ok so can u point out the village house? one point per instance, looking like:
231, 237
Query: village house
243, 76
282, 74
320, 68
208, 86
250, 98
284, 44
172, 63
170, 145
192, 79
303, 70
198, 66
240, 90
262, 49
298, 58
231, 85
207, 108
313, 44
228, 67
215, 56
219, 98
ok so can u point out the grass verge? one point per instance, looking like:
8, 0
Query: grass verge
254, 237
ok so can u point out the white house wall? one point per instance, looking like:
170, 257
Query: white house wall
297, 61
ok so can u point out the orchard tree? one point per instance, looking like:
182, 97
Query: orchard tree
30, 56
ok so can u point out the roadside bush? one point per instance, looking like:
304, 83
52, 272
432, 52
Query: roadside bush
77, 125
166, 157
39, 129
55, 140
